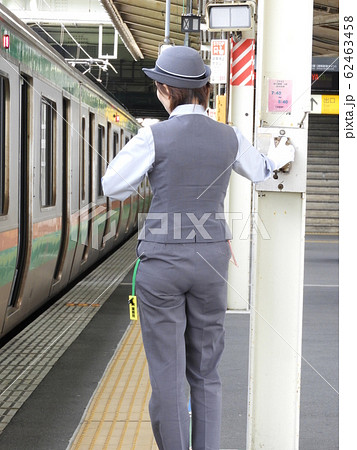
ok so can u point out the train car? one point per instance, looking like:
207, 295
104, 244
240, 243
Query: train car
58, 130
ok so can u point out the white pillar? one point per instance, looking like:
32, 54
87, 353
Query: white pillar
240, 197
240, 189
284, 46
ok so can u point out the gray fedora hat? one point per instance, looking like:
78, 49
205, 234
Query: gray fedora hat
180, 67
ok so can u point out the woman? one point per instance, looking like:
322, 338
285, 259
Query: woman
181, 280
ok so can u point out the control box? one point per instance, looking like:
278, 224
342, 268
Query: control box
292, 177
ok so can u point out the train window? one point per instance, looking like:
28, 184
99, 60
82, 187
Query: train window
100, 159
127, 139
109, 139
4, 136
48, 133
115, 144
121, 138
83, 159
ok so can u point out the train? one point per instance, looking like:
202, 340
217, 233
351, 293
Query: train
58, 130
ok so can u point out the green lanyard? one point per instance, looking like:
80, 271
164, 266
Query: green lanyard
134, 277
133, 304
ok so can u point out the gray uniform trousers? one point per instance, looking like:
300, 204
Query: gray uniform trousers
181, 292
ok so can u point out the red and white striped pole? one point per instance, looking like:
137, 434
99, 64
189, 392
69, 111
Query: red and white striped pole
241, 115
242, 66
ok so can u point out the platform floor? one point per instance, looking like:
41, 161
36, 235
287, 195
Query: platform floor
117, 416
95, 395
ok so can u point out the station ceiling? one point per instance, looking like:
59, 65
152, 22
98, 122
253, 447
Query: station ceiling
72, 27
147, 21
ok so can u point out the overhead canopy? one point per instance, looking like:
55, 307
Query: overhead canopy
72, 27
146, 22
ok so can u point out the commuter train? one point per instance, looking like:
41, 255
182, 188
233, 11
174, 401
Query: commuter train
57, 132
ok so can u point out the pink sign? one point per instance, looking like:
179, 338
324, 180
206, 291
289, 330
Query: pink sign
280, 96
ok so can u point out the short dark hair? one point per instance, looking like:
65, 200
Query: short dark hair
182, 96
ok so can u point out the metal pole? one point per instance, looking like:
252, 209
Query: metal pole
283, 78
228, 91
187, 42
167, 22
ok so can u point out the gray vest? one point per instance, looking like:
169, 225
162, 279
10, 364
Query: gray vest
193, 162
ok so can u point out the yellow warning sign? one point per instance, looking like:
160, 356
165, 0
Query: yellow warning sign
329, 104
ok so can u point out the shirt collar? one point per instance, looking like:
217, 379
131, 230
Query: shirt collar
188, 109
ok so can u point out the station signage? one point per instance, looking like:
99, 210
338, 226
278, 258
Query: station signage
190, 23
219, 61
232, 16
324, 104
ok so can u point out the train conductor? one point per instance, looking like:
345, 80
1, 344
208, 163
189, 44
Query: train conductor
181, 280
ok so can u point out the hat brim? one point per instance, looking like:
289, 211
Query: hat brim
179, 82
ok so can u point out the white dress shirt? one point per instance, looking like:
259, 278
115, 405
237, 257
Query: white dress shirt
136, 159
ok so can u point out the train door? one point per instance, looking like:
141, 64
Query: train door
9, 159
73, 143
65, 222
122, 206
134, 201
141, 201
80, 186
147, 195
87, 217
24, 203
99, 214
44, 193
115, 205
4, 137
111, 216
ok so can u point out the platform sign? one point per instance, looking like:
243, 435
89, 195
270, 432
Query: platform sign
280, 96
219, 61
324, 104
221, 104
330, 104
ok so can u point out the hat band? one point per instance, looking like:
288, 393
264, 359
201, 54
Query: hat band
179, 74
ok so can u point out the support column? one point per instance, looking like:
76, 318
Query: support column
284, 45
240, 190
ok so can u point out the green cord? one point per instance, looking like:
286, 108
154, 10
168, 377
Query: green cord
134, 277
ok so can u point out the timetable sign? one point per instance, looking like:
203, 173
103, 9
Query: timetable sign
280, 96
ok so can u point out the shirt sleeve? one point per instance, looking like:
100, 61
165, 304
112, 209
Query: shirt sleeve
129, 167
250, 162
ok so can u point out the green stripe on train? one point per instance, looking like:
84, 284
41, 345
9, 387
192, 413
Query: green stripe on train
46, 248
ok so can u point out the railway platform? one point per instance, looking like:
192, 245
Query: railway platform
76, 377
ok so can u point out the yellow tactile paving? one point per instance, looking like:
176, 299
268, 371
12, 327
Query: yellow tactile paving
117, 417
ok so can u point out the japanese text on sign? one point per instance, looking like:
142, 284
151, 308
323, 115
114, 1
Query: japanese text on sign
219, 61
280, 96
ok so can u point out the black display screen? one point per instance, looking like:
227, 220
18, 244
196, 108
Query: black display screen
324, 81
